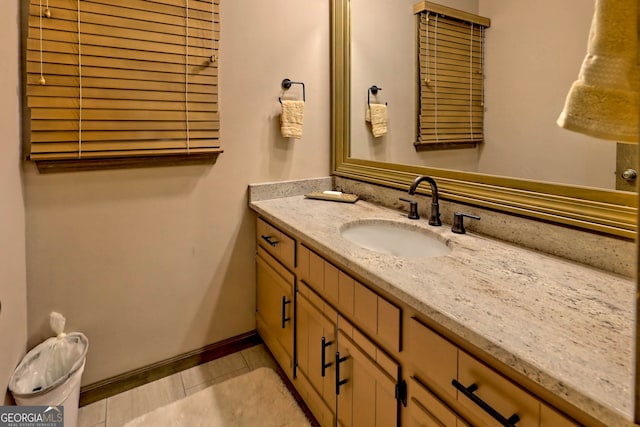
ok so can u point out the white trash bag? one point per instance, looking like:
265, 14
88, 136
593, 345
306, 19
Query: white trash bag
50, 373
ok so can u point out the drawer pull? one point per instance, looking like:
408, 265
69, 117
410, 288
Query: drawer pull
323, 362
285, 319
339, 382
269, 240
468, 392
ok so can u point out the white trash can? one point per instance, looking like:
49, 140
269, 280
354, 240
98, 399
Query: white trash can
50, 374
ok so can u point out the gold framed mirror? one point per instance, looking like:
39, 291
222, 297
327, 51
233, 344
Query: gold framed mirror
605, 211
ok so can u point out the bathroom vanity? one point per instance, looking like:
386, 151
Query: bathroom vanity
486, 334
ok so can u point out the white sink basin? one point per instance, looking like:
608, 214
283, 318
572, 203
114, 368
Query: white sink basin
394, 238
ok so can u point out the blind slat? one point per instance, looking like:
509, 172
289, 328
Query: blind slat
196, 53
123, 145
117, 136
38, 92
429, 114
452, 52
69, 125
429, 94
117, 42
430, 100
108, 14
117, 73
33, 87
71, 27
123, 64
117, 115
170, 7
126, 153
451, 88
443, 77
451, 138
451, 112
119, 104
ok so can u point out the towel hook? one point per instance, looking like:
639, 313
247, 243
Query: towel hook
286, 84
373, 90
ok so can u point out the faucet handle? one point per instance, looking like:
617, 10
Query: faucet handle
413, 208
458, 222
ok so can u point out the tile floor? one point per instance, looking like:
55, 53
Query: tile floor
117, 410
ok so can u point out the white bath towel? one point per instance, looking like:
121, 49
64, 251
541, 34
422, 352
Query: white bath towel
603, 102
377, 115
291, 119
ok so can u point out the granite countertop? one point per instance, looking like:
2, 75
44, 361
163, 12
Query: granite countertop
566, 326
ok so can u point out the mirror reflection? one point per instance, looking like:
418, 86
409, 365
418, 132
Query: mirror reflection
533, 52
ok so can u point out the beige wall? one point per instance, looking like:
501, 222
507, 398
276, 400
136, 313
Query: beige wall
533, 53
13, 282
551, 40
151, 263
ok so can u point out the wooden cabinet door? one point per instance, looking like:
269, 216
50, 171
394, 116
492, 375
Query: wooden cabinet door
366, 392
276, 243
316, 349
274, 309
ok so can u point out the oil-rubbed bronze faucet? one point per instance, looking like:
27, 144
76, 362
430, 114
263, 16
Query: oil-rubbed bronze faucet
434, 217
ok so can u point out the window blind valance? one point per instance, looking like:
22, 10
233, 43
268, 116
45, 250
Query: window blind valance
111, 79
451, 80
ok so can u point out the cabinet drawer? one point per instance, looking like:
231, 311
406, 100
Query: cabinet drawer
551, 418
377, 316
425, 409
434, 359
276, 243
498, 392
310, 268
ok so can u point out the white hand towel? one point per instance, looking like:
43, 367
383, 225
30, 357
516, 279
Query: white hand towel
603, 102
378, 118
291, 119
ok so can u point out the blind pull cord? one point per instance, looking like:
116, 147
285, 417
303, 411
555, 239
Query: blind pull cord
482, 28
428, 82
80, 85
471, 84
186, 80
214, 57
46, 13
435, 66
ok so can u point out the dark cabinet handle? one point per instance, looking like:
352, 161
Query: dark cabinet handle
285, 319
339, 382
269, 240
323, 349
468, 391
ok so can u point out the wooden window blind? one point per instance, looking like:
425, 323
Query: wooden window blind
451, 81
114, 78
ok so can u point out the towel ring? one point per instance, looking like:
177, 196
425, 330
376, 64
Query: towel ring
286, 84
373, 90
